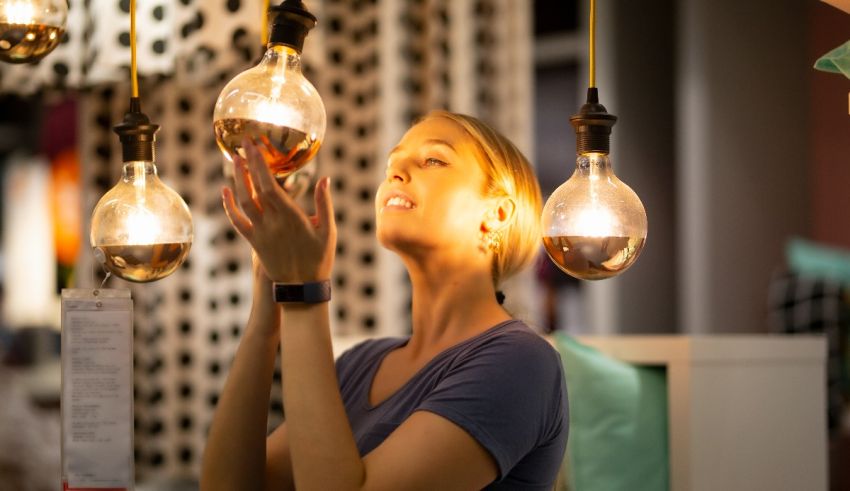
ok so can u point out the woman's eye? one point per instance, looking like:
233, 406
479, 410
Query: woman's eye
431, 161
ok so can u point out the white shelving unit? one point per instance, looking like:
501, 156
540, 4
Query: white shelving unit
746, 412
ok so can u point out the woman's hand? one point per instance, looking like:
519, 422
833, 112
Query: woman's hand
292, 247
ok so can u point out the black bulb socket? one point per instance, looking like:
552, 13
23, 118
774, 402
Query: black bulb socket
290, 23
593, 125
137, 134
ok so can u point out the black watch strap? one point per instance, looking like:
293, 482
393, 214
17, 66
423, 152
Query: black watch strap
313, 292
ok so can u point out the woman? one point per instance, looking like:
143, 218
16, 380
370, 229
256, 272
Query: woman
472, 399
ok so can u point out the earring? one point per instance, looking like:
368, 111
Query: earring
493, 240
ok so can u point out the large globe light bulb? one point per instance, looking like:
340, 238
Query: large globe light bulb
30, 29
141, 229
594, 225
272, 104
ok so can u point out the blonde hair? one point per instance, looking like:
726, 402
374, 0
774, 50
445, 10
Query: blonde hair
510, 175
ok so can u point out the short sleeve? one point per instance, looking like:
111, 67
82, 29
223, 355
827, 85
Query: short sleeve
508, 395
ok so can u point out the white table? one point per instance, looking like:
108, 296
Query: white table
746, 412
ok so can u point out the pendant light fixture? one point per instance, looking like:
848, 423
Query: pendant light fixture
272, 104
30, 29
141, 229
594, 225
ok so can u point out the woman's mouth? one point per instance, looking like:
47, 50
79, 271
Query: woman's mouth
399, 202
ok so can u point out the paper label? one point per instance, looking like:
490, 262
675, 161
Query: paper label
97, 393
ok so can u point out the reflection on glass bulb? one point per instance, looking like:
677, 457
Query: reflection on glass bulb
594, 225
276, 108
30, 29
19, 12
141, 227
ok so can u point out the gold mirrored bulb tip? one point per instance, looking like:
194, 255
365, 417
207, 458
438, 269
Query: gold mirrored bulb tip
144, 263
30, 29
593, 258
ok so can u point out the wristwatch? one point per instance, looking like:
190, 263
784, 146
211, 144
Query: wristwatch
313, 292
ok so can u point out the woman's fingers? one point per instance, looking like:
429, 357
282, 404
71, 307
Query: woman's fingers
244, 189
325, 208
239, 221
265, 186
269, 193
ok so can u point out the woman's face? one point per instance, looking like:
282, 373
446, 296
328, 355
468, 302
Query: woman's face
432, 195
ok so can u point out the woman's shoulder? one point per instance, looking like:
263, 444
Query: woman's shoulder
515, 345
517, 337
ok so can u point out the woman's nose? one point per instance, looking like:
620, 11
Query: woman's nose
397, 172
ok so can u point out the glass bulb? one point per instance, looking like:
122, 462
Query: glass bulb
594, 225
30, 29
141, 229
276, 108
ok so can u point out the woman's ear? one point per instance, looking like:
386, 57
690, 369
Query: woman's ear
500, 215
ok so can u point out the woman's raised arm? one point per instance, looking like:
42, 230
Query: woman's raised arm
235, 453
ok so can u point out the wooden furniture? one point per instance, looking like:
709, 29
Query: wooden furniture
746, 412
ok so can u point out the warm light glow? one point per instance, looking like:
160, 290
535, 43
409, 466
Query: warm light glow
142, 225
66, 205
140, 180
594, 222
143, 228
274, 112
18, 12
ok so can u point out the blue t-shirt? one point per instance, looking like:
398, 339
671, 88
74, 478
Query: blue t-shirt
505, 387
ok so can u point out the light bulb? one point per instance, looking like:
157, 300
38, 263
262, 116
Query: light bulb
141, 229
272, 104
30, 29
594, 225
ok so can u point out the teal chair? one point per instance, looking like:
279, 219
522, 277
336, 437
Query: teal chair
618, 422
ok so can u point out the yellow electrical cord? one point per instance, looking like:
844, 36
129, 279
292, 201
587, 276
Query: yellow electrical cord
264, 24
133, 76
592, 43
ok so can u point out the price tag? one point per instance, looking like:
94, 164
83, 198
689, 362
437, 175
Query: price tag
97, 390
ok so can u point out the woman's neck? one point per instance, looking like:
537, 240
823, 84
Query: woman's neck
451, 303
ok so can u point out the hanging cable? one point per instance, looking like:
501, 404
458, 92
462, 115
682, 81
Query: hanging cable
264, 24
134, 81
592, 44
